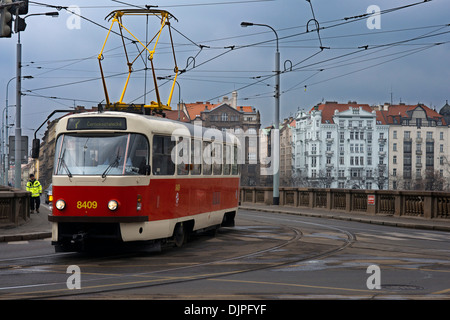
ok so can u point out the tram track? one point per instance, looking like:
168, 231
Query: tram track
282, 253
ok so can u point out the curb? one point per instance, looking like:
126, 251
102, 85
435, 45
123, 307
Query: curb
25, 236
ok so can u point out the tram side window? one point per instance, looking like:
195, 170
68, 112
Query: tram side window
137, 162
217, 158
196, 157
207, 158
227, 159
162, 163
234, 166
183, 156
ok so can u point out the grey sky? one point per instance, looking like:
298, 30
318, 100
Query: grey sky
408, 56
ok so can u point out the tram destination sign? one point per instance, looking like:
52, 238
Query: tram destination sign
97, 123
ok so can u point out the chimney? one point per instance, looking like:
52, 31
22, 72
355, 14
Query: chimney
234, 100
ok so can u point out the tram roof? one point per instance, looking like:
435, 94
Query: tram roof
182, 128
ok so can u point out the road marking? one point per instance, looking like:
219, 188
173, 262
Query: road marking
18, 242
359, 235
442, 291
294, 285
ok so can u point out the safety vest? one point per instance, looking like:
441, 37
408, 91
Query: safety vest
35, 188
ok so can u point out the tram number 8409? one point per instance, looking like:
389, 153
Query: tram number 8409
87, 205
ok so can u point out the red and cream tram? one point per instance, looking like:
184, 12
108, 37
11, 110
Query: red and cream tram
129, 177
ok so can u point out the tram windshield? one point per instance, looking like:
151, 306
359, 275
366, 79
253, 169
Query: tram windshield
106, 154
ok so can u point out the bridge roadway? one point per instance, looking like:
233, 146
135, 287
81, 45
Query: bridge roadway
266, 256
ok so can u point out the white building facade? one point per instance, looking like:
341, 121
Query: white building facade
341, 146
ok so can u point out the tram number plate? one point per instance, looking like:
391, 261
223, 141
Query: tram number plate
87, 205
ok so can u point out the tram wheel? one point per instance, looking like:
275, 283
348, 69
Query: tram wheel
179, 235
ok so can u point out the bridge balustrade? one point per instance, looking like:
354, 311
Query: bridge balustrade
421, 204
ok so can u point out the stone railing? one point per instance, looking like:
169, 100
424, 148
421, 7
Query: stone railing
14, 206
425, 204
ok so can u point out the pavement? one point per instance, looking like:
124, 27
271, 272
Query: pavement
381, 219
38, 226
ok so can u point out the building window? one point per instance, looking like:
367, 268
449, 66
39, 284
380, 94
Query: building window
441, 135
224, 117
394, 147
395, 134
418, 122
418, 173
394, 159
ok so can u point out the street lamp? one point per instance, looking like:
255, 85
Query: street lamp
4, 142
275, 133
18, 131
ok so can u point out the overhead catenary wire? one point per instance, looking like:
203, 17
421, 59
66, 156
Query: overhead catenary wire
300, 67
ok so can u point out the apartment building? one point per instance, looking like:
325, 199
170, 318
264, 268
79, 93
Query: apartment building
418, 146
341, 146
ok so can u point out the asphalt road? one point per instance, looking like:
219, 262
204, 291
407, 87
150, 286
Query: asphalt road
266, 256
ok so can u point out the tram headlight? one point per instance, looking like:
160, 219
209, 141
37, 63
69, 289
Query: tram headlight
113, 205
60, 204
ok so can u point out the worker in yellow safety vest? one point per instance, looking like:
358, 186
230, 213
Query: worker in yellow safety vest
34, 186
